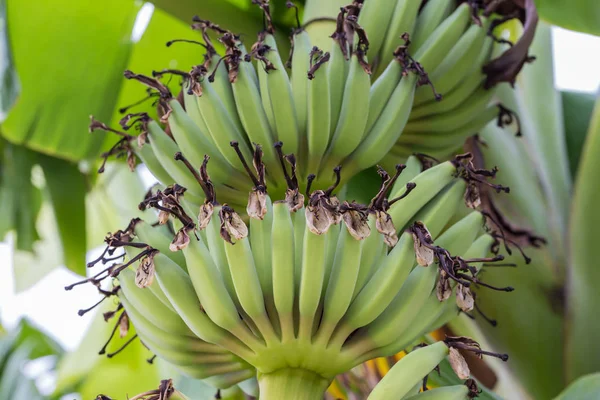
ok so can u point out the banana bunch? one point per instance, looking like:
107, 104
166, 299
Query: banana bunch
362, 98
310, 286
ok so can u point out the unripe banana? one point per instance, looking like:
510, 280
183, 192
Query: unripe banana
300, 64
407, 372
433, 13
319, 116
311, 281
340, 286
454, 67
403, 21
221, 125
247, 285
353, 116
337, 72
150, 307
165, 149
456, 392
282, 253
374, 18
276, 85
213, 295
387, 129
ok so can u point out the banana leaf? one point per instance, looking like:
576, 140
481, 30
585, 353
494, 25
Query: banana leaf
577, 15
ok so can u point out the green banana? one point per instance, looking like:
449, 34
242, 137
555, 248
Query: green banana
407, 372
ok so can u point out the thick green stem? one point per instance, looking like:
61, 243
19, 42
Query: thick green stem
292, 384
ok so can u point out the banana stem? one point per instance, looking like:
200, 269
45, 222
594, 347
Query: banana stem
292, 384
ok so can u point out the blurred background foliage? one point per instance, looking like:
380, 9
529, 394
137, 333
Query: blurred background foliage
62, 61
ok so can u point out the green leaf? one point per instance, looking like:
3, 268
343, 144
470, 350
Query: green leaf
585, 388
583, 298
9, 82
530, 323
70, 57
577, 110
67, 188
20, 201
27, 332
576, 15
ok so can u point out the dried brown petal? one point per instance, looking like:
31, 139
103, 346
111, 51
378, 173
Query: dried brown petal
318, 219
458, 364
385, 226
180, 241
334, 206
257, 204
472, 197
163, 217
357, 224
294, 199
206, 212
232, 225
144, 274
443, 289
142, 139
131, 161
424, 254
123, 325
464, 298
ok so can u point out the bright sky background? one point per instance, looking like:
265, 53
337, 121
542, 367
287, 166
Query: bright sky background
577, 67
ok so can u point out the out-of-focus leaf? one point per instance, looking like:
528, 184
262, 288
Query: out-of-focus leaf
585, 388
20, 201
90, 374
583, 298
9, 82
152, 54
530, 324
577, 110
113, 202
576, 15
543, 131
27, 332
67, 189
70, 57
12, 369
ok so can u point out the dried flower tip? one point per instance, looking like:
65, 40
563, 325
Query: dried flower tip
163, 217
206, 212
334, 210
318, 219
443, 289
180, 241
385, 226
464, 298
474, 390
472, 197
294, 199
356, 220
257, 204
422, 243
144, 275
458, 364
123, 325
232, 225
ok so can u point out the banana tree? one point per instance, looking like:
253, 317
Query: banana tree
309, 283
